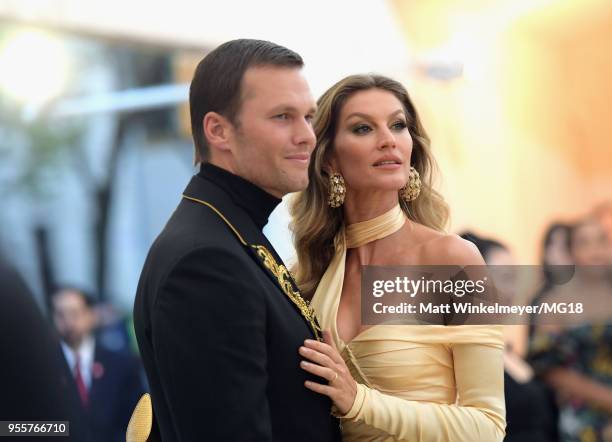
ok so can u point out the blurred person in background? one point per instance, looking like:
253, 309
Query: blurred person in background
557, 267
603, 214
530, 413
557, 263
574, 355
108, 382
35, 382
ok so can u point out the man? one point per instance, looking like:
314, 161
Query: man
108, 382
35, 383
218, 318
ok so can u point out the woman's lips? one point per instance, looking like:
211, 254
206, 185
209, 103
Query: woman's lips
388, 165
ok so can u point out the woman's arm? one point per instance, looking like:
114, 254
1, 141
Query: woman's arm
477, 416
570, 383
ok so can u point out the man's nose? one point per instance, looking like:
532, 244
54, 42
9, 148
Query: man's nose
304, 134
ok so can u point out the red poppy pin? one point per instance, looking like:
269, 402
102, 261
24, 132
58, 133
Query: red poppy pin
98, 370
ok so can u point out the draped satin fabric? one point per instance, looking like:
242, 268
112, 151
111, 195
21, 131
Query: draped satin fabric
414, 382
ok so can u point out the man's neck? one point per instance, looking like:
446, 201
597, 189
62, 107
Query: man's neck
258, 203
77, 346
223, 163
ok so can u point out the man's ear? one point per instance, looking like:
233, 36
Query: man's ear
218, 131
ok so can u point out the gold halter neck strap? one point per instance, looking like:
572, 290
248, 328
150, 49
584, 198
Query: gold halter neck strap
358, 234
326, 298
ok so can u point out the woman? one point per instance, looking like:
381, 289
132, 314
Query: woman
557, 263
573, 354
370, 201
530, 412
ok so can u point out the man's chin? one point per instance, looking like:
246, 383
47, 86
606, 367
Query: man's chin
298, 186
71, 342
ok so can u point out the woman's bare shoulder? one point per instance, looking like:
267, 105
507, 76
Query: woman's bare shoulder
440, 248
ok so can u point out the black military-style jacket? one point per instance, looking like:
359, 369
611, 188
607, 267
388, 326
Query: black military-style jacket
219, 326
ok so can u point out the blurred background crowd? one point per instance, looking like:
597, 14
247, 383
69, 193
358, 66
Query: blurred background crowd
95, 150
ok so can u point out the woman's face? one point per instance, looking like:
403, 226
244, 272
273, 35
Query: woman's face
590, 245
372, 145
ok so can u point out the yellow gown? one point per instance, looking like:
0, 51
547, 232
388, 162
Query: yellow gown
418, 383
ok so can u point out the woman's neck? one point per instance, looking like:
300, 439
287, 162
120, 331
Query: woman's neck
362, 255
359, 207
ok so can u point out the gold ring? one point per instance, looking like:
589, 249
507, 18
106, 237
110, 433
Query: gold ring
335, 377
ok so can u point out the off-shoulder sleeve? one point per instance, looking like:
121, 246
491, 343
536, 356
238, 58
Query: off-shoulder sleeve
477, 416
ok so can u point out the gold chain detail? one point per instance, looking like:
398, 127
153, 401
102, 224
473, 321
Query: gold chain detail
280, 272
284, 279
244, 243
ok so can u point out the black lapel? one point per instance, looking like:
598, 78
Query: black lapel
207, 191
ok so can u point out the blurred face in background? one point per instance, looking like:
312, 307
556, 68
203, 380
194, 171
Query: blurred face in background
605, 219
73, 318
604, 216
590, 245
590, 250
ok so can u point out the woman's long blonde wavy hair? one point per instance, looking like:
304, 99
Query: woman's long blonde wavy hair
314, 223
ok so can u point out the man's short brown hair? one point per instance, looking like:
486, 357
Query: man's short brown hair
216, 84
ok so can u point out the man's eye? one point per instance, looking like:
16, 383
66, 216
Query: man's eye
282, 116
309, 118
361, 129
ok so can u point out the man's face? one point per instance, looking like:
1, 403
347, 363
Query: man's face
274, 138
73, 319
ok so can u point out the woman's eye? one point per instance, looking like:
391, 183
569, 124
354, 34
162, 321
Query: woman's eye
309, 118
399, 125
361, 129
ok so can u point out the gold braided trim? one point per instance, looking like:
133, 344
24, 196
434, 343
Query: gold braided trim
244, 243
283, 277
280, 272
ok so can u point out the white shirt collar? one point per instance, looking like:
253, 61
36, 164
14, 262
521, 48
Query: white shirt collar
86, 353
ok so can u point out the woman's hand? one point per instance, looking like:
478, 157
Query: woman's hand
326, 362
